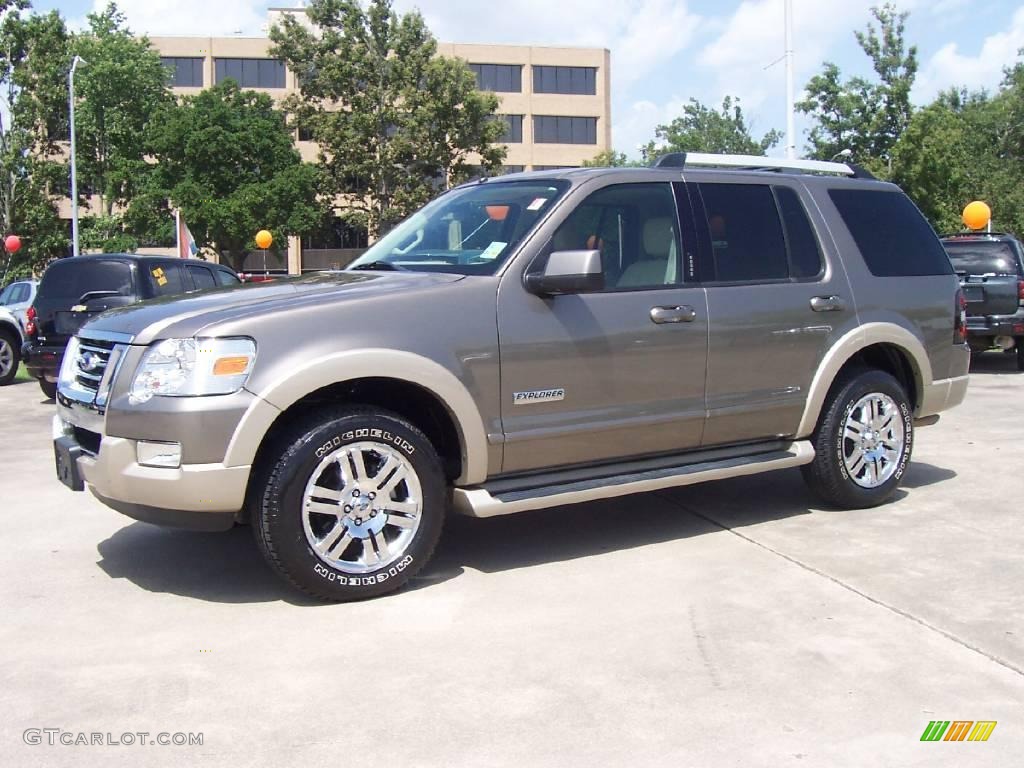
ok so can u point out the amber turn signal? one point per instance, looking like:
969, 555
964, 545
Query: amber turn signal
230, 366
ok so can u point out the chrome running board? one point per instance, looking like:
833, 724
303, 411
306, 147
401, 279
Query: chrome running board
488, 501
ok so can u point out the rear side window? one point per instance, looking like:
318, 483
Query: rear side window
746, 234
225, 278
168, 279
201, 277
892, 235
983, 258
69, 280
804, 251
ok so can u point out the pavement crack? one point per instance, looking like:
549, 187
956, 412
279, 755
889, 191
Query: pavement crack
850, 588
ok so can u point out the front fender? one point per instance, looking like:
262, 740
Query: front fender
358, 364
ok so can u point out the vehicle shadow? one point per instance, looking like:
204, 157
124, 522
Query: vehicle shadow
994, 363
228, 568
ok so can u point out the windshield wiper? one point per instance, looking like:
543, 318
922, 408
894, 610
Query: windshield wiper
383, 266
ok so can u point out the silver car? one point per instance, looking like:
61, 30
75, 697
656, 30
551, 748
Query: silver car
17, 297
525, 342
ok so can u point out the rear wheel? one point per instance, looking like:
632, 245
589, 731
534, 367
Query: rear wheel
1020, 353
863, 441
49, 388
10, 356
353, 505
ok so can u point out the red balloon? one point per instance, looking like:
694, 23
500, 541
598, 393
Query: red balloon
12, 243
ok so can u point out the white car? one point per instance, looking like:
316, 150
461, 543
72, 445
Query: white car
12, 336
18, 297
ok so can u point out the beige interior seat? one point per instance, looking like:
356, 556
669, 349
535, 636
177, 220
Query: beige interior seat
657, 266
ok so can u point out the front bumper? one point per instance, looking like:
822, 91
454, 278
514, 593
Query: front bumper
42, 362
197, 496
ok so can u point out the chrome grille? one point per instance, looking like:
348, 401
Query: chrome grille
91, 361
90, 365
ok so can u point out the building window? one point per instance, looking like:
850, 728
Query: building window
250, 73
514, 130
554, 167
339, 233
184, 71
512, 169
305, 133
571, 80
552, 129
504, 78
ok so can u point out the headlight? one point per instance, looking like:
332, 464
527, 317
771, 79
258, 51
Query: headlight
193, 367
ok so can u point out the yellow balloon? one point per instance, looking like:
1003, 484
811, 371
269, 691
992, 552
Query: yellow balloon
264, 238
977, 215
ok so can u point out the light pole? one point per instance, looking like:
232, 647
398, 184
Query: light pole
74, 178
790, 121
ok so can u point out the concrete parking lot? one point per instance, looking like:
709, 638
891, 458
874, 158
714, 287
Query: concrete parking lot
731, 624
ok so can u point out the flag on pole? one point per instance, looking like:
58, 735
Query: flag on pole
187, 247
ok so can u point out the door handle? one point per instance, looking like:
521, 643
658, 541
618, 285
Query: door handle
678, 314
828, 304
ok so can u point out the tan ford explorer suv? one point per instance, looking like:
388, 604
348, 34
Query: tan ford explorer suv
530, 341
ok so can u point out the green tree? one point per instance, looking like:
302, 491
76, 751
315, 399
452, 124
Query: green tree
704, 129
33, 119
226, 158
865, 116
121, 87
394, 121
609, 158
947, 156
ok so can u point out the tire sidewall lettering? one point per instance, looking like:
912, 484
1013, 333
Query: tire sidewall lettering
366, 433
367, 580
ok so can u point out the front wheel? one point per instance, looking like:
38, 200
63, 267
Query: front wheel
863, 441
1020, 353
353, 505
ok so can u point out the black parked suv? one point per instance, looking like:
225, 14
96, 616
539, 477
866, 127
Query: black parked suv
991, 271
77, 289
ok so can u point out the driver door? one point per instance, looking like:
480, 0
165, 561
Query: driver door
620, 373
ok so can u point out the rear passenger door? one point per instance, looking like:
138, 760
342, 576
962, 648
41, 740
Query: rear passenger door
776, 302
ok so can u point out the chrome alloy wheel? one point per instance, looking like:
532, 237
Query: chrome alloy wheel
362, 507
873, 440
6, 357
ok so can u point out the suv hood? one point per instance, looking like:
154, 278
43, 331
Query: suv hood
184, 316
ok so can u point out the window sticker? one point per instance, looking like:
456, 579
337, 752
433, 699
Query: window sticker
161, 278
537, 204
493, 251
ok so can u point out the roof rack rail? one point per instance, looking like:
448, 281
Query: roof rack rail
757, 163
977, 233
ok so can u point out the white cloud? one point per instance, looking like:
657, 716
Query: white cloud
950, 67
641, 34
192, 17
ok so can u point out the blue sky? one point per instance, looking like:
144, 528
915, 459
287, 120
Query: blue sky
667, 51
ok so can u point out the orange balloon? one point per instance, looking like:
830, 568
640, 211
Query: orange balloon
264, 238
977, 215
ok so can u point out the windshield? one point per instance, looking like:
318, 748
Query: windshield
468, 231
983, 258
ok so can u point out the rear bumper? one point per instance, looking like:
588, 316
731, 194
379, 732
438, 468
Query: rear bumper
996, 325
42, 362
941, 395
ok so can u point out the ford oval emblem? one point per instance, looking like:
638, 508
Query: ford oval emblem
89, 361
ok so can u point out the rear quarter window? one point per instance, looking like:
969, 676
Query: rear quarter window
891, 234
